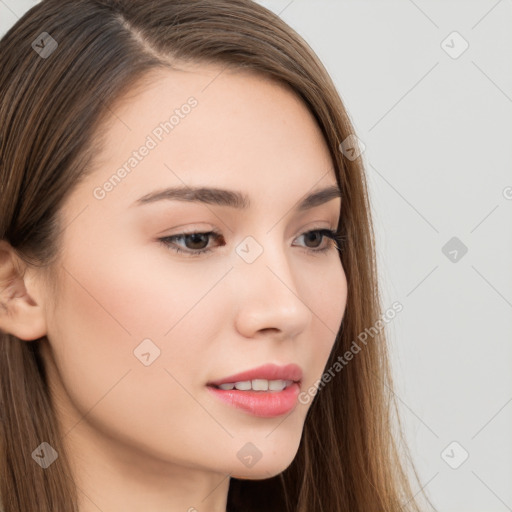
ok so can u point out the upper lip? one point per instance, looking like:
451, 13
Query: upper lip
267, 371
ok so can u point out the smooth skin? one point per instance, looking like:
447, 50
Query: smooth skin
153, 437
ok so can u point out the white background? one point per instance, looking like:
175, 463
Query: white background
438, 133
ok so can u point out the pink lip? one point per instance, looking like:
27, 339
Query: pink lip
266, 404
267, 371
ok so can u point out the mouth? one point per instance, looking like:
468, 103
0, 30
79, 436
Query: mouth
265, 375
267, 391
256, 385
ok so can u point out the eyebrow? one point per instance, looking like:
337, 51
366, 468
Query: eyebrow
231, 198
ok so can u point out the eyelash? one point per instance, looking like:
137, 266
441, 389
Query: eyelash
335, 236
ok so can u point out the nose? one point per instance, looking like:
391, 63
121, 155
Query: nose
268, 296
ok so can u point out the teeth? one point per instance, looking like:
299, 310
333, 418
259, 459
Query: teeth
243, 385
257, 385
260, 385
278, 385
226, 386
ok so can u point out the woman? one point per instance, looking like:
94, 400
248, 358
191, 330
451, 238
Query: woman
186, 263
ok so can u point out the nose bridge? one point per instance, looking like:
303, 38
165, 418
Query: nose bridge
270, 297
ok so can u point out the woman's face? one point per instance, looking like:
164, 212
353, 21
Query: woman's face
138, 331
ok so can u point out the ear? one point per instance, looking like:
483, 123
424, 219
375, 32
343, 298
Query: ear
21, 314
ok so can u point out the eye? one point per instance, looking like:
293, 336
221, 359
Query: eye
319, 235
196, 243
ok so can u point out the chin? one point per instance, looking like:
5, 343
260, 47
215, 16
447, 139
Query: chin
261, 470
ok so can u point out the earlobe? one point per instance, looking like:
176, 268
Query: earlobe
20, 314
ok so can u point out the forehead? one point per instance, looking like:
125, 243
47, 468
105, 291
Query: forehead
210, 126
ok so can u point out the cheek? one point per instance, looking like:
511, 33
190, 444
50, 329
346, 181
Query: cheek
103, 315
110, 305
329, 298
327, 301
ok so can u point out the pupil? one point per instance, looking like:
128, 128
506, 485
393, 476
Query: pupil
196, 238
314, 235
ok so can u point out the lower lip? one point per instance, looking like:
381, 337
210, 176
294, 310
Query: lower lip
266, 404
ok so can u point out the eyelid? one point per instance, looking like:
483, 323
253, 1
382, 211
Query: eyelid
195, 229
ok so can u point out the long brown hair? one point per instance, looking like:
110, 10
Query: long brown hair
51, 111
